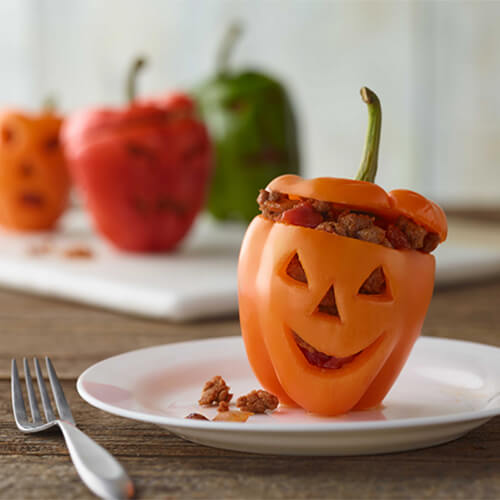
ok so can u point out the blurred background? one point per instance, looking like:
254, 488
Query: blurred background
435, 66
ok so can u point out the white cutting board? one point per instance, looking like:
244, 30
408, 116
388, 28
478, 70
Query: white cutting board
197, 281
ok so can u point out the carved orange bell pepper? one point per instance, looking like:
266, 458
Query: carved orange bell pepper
34, 182
348, 359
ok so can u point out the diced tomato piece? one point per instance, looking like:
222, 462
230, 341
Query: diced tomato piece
302, 215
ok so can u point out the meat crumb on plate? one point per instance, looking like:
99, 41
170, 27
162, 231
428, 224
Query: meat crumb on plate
214, 391
196, 416
257, 402
38, 249
223, 406
78, 252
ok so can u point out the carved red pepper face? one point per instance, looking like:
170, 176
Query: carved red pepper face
144, 170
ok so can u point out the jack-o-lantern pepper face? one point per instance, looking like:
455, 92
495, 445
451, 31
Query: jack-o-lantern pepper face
34, 182
335, 278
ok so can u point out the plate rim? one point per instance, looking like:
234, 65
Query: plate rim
331, 426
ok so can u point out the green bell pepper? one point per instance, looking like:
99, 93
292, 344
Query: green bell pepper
252, 124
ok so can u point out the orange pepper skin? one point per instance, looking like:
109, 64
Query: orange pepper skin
34, 181
381, 328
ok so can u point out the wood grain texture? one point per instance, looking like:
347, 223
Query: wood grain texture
164, 466
76, 336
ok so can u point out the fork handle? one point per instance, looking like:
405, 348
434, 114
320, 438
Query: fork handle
97, 468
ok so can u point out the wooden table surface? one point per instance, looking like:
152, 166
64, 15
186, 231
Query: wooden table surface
165, 466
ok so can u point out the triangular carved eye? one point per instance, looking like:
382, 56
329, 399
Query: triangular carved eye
328, 304
295, 270
375, 284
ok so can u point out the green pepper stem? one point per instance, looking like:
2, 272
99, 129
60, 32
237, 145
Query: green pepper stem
226, 47
368, 168
134, 70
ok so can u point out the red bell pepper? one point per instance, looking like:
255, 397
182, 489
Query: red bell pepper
143, 170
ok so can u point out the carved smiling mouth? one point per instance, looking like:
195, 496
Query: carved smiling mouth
320, 359
31, 199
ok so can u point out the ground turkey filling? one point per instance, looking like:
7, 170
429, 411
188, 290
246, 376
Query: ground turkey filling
325, 216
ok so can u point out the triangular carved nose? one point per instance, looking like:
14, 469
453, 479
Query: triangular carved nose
328, 304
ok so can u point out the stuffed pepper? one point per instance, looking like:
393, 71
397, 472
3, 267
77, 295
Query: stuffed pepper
335, 277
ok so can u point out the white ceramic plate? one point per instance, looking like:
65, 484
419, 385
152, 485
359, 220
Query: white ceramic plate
446, 389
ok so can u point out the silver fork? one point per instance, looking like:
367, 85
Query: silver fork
98, 469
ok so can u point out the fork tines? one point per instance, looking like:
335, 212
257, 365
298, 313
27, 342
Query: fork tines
19, 407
